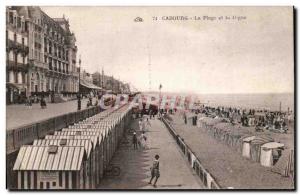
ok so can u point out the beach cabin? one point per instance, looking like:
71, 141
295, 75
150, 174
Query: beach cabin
86, 143
246, 146
91, 178
50, 167
252, 146
270, 153
255, 146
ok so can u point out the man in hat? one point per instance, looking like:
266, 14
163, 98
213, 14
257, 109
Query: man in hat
135, 141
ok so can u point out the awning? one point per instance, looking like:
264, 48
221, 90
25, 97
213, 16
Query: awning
89, 85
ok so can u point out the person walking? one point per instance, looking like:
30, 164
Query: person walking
143, 140
141, 124
135, 141
42, 102
155, 171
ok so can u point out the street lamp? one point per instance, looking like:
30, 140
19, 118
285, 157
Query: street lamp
79, 74
78, 95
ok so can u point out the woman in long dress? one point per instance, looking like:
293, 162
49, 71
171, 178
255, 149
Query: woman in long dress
143, 140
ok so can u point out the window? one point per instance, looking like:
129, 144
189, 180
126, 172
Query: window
18, 22
23, 41
11, 18
47, 185
54, 184
67, 179
73, 180
26, 26
52, 149
41, 185
28, 179
34, 180
16, 57
60, 178
22, 179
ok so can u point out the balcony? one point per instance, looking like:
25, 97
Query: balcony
11, 65
17, 46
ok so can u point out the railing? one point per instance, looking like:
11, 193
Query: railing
207, 179
19, 136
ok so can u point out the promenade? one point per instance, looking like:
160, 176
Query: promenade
18, 114
135, 164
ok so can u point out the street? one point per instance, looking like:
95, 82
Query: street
18, 114
175, 172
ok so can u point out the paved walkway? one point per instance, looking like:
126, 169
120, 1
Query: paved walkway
135, 164
18, 115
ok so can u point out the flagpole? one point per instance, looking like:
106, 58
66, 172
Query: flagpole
160, 86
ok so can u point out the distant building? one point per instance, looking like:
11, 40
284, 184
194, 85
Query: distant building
86, 76
49, 53
109, 83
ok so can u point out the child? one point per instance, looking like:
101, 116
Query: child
155, 170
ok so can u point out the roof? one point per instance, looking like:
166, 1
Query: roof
93, 138
89, 85
99, 132
86, 143
66, 158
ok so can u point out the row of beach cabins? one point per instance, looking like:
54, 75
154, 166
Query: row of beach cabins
273, 150
75, 157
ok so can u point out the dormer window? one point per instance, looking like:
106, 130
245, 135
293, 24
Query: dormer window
63, 142
78, 133
52, 149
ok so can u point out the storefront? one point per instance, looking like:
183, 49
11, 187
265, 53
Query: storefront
15, 93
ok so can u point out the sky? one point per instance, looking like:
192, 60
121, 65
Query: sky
252, 55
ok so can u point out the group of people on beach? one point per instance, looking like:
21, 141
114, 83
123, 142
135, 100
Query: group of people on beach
261, 119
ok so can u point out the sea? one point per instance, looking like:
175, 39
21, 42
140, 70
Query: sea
270, 101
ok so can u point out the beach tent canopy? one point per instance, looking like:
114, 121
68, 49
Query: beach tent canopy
272, 145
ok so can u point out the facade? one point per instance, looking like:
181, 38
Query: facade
50, 63
16, 57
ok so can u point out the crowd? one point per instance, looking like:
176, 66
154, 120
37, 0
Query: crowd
261, 119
